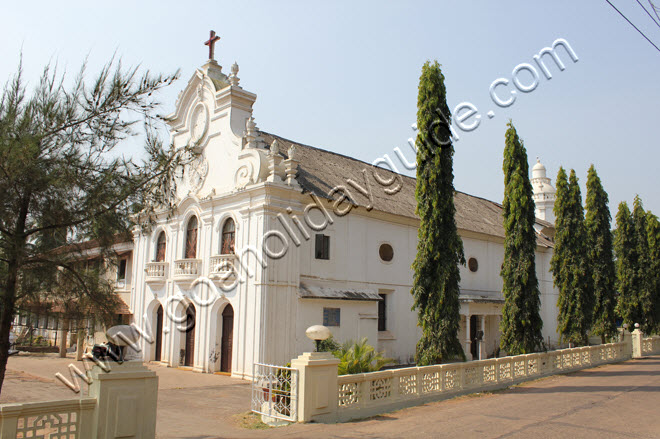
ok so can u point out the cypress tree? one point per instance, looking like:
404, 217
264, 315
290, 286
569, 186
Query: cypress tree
628, 279
643, 265
569, 264
439, 248
521, 322
653, 229
601, 257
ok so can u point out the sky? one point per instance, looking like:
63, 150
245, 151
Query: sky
343, 76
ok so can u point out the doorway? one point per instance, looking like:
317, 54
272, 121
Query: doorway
474, 346
227, 338
159, 332
189, 356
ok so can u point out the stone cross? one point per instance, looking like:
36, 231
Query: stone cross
211, 43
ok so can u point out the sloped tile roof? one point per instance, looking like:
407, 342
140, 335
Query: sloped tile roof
321, 171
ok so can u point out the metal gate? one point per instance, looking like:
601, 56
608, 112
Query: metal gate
275, 391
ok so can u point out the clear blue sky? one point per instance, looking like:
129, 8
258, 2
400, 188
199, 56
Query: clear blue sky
343, 76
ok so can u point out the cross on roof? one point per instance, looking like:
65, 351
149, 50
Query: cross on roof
211, 43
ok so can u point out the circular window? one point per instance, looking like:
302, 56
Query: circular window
386, 252
473, 265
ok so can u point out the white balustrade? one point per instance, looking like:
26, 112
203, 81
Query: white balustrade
157, 271
72, 418
366, 394
651, 345
187, 268
222, 265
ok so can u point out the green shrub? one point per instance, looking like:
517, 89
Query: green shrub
359, 357
329, 345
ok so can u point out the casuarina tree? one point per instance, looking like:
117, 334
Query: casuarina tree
570, 263
521, 322
601, 257
439, 248
62, 180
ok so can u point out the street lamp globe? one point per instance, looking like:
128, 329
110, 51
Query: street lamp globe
318, 333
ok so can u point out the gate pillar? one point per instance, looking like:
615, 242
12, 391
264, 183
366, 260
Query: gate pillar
317, 386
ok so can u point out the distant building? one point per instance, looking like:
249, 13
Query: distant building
47, 320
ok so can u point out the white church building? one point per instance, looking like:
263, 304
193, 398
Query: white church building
272, 236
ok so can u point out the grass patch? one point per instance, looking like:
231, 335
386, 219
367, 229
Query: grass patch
250, 421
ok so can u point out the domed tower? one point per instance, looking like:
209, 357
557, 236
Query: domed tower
544, 193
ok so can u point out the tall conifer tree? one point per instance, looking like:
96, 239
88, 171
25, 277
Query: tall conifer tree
439, 249
601, 257
643, 265
628, 280
569, 264
653, 229
521, 322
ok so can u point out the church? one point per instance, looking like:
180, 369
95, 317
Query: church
271, 236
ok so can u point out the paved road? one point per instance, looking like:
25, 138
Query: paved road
616, 401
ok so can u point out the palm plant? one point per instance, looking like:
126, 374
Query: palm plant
359, 357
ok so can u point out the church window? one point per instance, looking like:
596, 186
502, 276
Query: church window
386, 252
322, 248
331, 316
382, 312
161, 246
473, 265
228, 237
191, 239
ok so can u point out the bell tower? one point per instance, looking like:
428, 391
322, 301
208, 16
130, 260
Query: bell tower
544, 194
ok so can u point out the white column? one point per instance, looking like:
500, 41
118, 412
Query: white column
468, 342
482, 346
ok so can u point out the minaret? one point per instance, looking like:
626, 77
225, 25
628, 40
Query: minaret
544, 194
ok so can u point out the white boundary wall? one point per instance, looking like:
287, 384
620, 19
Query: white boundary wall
369, 394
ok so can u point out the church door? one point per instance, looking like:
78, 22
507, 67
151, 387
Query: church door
159, 332
190, 336
227, 338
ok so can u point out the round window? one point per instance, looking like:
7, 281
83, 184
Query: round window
473, 265
386, 252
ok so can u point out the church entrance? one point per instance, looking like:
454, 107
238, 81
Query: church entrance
159, 332
227, 338
189, 356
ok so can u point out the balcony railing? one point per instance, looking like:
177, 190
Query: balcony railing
187, 268
222, 265
157, 271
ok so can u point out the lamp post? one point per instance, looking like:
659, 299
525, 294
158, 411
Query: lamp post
318, 333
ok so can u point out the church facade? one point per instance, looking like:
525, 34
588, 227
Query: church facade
271, 236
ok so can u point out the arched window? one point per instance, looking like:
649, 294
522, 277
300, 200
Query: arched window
161, 246
191, 239
228, 237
